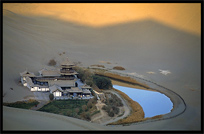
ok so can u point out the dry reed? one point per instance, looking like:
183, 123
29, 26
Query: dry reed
122, 78
137, 113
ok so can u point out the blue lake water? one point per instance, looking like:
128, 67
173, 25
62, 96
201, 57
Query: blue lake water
153, 103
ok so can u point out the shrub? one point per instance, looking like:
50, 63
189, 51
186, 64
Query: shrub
21, 104
89, 104
110, 113
51, 96
86, 116
52, 62
99, 66
118, 68
50, 108
104, 107
76, 110
115, 109
84, 75
84, 107
69, 113
102, 82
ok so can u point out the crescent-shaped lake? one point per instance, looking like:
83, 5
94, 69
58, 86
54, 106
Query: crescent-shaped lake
153, 103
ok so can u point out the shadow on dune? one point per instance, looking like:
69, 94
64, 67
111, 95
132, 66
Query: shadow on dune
137, 45
143, 45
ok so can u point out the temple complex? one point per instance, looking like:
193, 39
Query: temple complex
62, 83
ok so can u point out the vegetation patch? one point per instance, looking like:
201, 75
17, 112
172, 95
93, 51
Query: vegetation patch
81, 109
112, 104
52, 62
51, 96
22, 104
118, 68
85, 75
99, 66
121, 78
102, 82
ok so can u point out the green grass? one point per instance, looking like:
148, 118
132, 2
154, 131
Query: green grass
63, 106
68, 108
22, 104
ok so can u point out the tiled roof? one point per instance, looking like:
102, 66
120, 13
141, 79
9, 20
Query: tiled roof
74, 90
62, 83
46, 72
86, 91
85, 86
27, 73
55, 88
68, 63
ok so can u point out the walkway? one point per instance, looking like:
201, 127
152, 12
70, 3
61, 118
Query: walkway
40, 105
79, 83
99, 106
42, 98
125, 106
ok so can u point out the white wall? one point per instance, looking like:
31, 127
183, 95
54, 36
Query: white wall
28, 85
43, 89
57, 93
39, 89
23, 81
34, 89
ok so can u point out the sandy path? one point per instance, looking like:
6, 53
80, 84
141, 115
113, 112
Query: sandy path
125, 106
99, 106
101, 118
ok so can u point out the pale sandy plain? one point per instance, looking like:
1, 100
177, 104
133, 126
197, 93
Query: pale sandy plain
140, 47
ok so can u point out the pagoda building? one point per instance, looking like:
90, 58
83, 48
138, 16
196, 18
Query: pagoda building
67, 70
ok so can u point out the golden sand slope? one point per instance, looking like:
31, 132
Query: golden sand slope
185, 16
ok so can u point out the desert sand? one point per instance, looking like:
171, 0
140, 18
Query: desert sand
138, 46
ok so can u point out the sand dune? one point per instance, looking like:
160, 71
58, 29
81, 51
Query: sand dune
19, 119
30, 42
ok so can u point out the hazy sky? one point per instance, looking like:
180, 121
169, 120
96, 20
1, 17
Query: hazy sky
185, 16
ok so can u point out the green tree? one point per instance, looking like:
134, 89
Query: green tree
51, 96
102, 82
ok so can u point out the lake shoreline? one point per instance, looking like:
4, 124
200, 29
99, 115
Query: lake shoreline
179, 105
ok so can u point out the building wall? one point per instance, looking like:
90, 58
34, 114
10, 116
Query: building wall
57, 93
23, 81
28, 85
47, 89
39, 89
